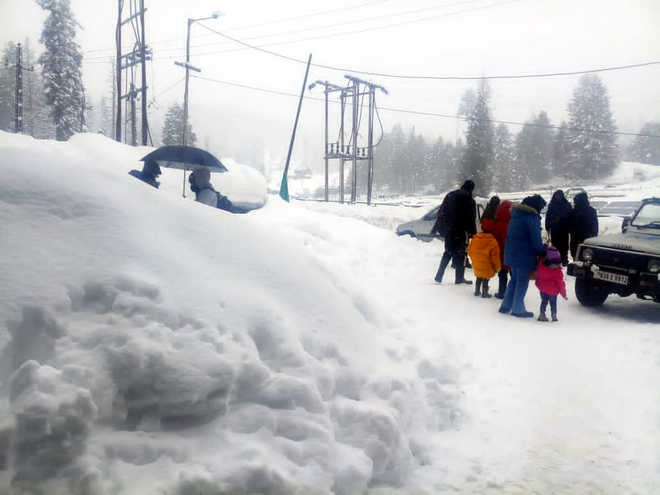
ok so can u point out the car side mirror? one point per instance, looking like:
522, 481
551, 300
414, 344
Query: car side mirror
625, 223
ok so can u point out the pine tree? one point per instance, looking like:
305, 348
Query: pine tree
561, 150
520, 176
61, 62
646, 149
504, 167
7, 87
173, 127
541, 147
478, 155
594, 152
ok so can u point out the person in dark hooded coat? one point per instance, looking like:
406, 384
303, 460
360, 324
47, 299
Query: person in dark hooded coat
522, 249
558, 223
459, 214
584, 221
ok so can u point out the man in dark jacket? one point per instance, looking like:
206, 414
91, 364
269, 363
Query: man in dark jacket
584, 221
558, 223
149, 173
522, 249
459, 212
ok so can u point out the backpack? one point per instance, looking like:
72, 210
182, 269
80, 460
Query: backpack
440, 227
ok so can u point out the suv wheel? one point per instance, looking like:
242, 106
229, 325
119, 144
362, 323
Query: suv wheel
589, 293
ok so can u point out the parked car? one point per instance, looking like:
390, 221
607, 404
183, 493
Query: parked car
623, 264
421, 228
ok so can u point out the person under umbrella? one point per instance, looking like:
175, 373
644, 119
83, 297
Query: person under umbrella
200, 184
149, 173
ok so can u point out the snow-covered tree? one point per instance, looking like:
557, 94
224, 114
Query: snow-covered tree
561, 151
173, 127
541, 147
520, 177
61, 62
7, 87
504, 166
646, 149
594, 152
478, 153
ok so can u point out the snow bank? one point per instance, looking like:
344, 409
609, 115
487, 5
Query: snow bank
174, 348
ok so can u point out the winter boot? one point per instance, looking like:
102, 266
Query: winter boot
524, 314
554, 317
542, 317
484, 290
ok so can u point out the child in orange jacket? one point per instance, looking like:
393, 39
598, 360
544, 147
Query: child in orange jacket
484, 253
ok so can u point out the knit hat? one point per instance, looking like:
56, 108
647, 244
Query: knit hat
536, 202
487, 225
552, 256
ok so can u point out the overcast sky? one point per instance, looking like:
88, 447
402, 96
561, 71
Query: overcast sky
441, 37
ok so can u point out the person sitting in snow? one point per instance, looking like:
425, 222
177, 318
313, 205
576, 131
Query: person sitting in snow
485, 255
200, 184
150, 171
550, 281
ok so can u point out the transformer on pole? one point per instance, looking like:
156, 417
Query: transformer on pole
355, 91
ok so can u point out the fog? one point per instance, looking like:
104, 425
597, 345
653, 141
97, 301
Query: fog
418, 37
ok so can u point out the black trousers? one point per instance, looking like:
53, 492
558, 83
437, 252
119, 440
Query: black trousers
547, 298
454, 250
502, 276
559, 239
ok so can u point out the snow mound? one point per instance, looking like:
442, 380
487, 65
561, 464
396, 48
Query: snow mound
180, 349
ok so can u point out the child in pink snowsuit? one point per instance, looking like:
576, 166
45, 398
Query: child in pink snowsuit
550, 281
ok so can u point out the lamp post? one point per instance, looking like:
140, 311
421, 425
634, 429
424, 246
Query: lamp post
188, 67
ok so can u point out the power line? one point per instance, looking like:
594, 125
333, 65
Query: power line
445, 78
274, 21
422, 113
373, 28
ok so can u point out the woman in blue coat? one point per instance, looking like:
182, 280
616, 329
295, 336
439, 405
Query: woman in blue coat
522, 248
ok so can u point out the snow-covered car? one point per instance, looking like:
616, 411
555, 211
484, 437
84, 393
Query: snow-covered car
421, 228
623, 264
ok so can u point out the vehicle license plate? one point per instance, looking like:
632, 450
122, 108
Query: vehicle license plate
612, 277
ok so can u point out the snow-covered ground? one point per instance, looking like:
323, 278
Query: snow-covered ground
301, 348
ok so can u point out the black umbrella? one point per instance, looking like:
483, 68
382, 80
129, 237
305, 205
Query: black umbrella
185, 158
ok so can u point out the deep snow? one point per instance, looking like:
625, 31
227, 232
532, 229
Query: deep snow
300, 348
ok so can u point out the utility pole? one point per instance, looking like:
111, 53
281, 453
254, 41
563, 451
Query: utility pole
139, 55
188, 67
120, 5
18, 104
133, 95
341, 147
354, 139
143, 46
328, 150
19, 92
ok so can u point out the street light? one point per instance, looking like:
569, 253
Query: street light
188, 68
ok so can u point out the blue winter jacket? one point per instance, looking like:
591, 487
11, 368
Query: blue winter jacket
523, 239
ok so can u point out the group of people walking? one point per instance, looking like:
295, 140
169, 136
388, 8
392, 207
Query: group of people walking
511, 245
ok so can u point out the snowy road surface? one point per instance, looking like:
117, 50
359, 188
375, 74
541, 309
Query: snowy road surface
566, 407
